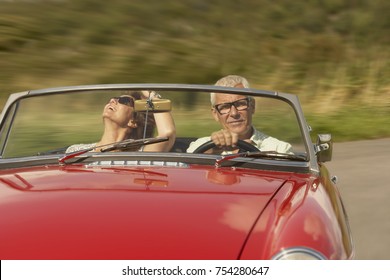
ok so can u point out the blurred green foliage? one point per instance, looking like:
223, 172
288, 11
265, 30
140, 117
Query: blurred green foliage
333, 53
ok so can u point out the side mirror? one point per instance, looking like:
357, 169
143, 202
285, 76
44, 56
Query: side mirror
156, 105
324, 147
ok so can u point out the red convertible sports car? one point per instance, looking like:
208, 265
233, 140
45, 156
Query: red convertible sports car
68, 191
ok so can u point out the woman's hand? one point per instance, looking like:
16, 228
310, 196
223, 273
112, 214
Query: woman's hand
151, 94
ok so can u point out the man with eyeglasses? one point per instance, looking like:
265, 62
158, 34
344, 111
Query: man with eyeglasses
234, 113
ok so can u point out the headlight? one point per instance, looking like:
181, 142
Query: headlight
298, 253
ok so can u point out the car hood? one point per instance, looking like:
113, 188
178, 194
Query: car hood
84, 212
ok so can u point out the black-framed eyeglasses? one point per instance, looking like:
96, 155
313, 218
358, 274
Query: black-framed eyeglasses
240, 105
125, 100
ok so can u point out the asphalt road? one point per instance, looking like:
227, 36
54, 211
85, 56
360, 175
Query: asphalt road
363, 172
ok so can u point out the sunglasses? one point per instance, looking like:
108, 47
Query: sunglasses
225, 108
125, 100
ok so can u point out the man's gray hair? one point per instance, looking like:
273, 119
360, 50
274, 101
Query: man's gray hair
229, 81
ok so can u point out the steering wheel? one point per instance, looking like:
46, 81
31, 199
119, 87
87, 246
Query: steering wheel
241, 144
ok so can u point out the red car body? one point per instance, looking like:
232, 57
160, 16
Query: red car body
62, 213
189, 211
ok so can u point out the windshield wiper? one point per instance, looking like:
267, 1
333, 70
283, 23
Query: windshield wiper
121, 145
269, 155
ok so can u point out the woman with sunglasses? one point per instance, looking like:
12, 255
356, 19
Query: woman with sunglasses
121, 122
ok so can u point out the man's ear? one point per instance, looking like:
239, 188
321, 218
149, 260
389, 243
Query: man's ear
252, 104
215, 114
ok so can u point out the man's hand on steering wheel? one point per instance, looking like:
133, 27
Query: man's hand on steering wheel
224, 138
242, 145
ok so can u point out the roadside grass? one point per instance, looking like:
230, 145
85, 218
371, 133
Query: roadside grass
352, 123
334, 55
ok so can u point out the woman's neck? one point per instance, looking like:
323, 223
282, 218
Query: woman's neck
111, 135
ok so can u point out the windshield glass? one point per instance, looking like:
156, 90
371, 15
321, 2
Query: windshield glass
51, 123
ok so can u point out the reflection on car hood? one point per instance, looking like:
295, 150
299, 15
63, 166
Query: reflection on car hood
78, 212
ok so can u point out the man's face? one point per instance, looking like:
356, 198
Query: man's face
234, 119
